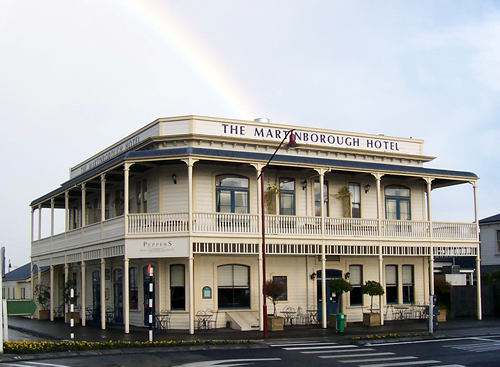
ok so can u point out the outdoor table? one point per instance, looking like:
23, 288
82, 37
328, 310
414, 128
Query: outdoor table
162, 320
312, 316
289, 315
203, 319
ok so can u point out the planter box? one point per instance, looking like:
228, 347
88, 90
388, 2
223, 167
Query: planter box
371, 319
43, 314
76, 317
275, 323
442, 316
332, 321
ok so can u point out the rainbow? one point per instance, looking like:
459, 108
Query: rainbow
158, 18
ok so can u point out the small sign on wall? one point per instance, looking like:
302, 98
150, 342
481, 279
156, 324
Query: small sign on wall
207, 292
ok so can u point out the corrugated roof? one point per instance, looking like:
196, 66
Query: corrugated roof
23, 272
333, 163
492, 219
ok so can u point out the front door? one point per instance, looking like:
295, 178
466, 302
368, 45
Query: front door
96, 296
331, 299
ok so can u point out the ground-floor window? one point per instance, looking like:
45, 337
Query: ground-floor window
283, 280
133, 295
391, 284
177, 287
408, 284
356, 280
233, 290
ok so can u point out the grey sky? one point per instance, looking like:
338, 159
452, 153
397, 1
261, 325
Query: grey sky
76, 76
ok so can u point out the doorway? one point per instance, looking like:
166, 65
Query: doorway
331, 298
118, 295
96, 296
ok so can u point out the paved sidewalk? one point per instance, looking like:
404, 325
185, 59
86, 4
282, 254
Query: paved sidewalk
57, 330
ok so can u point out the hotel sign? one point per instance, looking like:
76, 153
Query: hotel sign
334, 139
157, 247
114, 151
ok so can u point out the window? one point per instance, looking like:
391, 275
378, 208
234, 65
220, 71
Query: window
498, 241
118, 202
391, 284
133, 290
232, 195
233, 290
355, 191
356, 280
282, 280
287, 196
141, 195
23, 293
317, 200
177, 287
397, 203
408, 284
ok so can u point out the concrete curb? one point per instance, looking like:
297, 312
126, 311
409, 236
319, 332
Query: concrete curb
109, 352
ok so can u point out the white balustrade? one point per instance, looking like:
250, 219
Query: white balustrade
457, 231
405, 229
225, 223
292, 225
353, 227
157, 223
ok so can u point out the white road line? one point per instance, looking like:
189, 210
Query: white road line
13, 364
295, 343
337, 351
407, 363
450, 365
228, 362
359, 355
322, 347
45, 364
423, 341
376, 359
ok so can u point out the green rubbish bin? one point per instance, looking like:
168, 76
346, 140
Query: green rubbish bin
340, 323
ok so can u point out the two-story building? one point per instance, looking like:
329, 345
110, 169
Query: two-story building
184, 194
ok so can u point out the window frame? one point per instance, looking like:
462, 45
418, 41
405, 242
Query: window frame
356, 288
133, 288
284, 280
232, 191
180, 289
498, 241
355, 205
283, 192
392, 285
398, 199
317, 199
233, 287
408, 288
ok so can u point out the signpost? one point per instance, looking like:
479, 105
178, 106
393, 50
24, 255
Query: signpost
150, 302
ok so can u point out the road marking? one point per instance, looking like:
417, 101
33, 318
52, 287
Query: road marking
45, 364
359, 355
424, 341
337, 351
407, 363
362, 360
228, 362
322, 347
450, 365
295, 343
477, 347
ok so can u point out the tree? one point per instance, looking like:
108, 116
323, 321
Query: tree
372, 288
339, 286
67, 292
344, 195
274, 289
42, 294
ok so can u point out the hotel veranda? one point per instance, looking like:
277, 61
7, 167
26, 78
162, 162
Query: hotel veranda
183, 194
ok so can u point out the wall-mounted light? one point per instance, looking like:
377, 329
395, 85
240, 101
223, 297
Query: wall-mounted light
313, 276
304, 184
367, 188
347, 276
174, 179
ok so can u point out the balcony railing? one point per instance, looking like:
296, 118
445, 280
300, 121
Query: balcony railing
225, 223
157, 223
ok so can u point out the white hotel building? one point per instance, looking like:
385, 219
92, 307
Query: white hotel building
183, 194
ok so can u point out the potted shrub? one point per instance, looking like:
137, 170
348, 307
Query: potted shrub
270, 195
274, 290
344, 195
42, 296
372, 288
67, 300
338, 286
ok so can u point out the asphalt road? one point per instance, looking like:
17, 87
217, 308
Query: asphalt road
470, 352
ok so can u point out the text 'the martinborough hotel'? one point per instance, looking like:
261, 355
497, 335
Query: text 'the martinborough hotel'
184, 195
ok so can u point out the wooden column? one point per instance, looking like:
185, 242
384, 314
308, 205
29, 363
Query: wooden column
39, 222
52, 292
103, 197
103, 294
51, 217
83, 213
126, 300
259, 259
66, 211
84, 271
381, 299
190, 163
478, 256
324, 321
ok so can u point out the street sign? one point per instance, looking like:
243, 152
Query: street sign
20, 307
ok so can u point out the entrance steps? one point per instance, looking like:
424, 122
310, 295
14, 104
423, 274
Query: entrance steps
243, 321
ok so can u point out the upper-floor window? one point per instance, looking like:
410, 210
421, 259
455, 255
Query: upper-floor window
317, 199
232, 194
397, 203
287, 196
141, 194
355, 191
498, 241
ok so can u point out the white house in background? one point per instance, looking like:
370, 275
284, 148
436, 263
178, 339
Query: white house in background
184, 195
16, 284
490, 243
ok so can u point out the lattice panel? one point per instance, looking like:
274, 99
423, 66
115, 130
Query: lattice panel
454, 251
225, 248
114, 251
